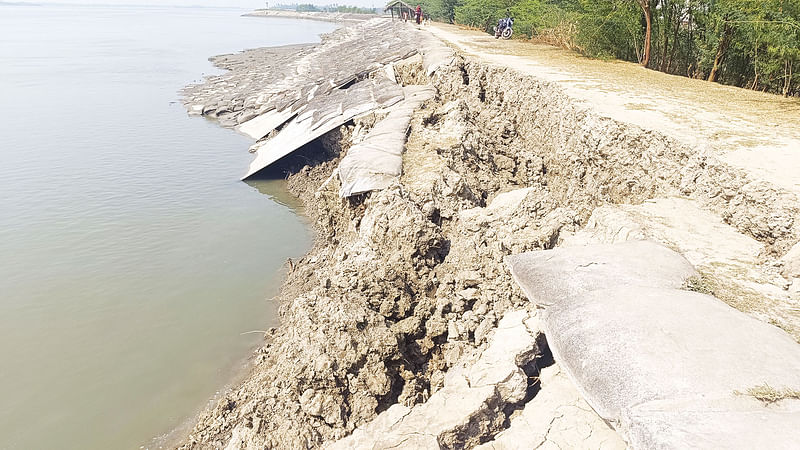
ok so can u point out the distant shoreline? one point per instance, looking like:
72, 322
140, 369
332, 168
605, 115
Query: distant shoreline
321, 16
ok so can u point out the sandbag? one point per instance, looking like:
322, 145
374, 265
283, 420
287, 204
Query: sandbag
671, 368
377, 161
551, 275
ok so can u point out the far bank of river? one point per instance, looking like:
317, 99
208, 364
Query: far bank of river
134, 262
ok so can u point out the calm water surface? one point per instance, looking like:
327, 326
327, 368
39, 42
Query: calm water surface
131, 258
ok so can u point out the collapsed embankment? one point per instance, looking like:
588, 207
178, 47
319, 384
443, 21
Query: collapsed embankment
404, 283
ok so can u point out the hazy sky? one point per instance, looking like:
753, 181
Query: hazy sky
249, 4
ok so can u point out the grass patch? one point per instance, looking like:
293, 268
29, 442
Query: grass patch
769, 394
702, 284
727, 290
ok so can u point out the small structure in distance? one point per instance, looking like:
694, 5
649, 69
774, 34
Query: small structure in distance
400, 6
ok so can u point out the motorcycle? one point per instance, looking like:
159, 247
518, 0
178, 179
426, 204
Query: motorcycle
503, 28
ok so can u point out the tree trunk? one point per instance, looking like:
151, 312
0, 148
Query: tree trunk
645, 4
689, 41
723, 46
667, 15
675, 43
755, 66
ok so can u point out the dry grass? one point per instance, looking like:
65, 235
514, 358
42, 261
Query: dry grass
701, 284
725, 289
746, 300
769, 394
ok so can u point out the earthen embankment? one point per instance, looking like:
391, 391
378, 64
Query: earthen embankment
406, 283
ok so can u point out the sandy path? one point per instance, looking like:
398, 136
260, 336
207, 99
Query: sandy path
754, 131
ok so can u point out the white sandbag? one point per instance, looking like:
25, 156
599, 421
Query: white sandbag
262, 125
551, 275
671, 368
323, 114
378, 160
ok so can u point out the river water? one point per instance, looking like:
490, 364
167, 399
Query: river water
132, 261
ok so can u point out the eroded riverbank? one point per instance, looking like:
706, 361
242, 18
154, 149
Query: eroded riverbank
406, 283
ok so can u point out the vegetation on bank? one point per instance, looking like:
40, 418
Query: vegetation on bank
746, 43
308, 7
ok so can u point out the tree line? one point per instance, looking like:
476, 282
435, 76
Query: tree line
308, 7
746, 43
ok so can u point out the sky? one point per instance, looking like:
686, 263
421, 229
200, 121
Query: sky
247, 4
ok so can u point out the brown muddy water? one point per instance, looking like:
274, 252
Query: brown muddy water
132, 261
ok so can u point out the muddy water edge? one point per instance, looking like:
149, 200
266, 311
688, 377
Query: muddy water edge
134, 263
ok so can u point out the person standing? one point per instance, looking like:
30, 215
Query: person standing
418, 14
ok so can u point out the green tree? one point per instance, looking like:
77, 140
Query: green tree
748, 43
482, 14
611, 28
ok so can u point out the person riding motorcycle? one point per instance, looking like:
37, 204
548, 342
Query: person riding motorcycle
503, 25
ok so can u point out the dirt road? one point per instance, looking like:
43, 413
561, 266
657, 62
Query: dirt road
755, 131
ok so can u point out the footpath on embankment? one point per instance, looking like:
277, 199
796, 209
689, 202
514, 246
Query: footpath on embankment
755, 131
504, 260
